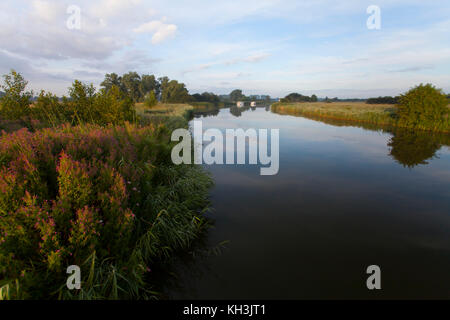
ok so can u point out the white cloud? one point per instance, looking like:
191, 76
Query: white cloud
160, 30
46, 11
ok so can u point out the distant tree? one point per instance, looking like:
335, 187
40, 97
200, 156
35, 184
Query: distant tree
148, 84
174, 92
314, 98
296, 97
236, 95
15, 103
383, 100
206, 97
422, 105
132, 84
112, 79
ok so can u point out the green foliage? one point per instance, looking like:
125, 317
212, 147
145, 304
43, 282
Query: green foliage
174, 92
413, 148
132, 83
236, 95
49, 109
150, 99
206, 97
383, 100
296, 97
113, 107
84, 106
423, 106
149, 84
15, 102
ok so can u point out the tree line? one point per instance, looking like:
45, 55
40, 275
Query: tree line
297, 97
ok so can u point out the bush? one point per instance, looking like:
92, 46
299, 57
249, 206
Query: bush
150, 99
84, 106
77, 195
423, 106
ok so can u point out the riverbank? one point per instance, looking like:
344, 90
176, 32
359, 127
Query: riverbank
106, 199
381, 115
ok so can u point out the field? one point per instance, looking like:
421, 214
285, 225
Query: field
378, 114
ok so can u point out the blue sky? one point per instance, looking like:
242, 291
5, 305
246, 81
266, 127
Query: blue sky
262, 47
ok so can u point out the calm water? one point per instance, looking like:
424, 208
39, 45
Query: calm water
344, 198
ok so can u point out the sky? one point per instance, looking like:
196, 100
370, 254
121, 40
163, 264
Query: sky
270, 47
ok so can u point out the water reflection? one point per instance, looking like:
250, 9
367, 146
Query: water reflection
234, 110
407, 147
414, 148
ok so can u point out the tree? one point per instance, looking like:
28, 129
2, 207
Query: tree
15, 102
148, 84
112, 79
174, 92
296, 97
132, 84
314, 98
206, 97
383, 100
236, 95
422, 105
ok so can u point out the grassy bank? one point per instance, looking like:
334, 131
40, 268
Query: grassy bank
381, 114
105, 198
171, 115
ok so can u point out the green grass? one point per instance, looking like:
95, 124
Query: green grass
171, 115
381, 114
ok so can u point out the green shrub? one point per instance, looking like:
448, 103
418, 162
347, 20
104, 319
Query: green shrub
84, 106
423, 106
150, 99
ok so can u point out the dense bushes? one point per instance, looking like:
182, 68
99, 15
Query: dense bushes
84, 105
423, 106
106, 199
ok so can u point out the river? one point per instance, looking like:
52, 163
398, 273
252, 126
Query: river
344, 198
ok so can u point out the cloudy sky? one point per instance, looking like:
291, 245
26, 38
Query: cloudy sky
261, 46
